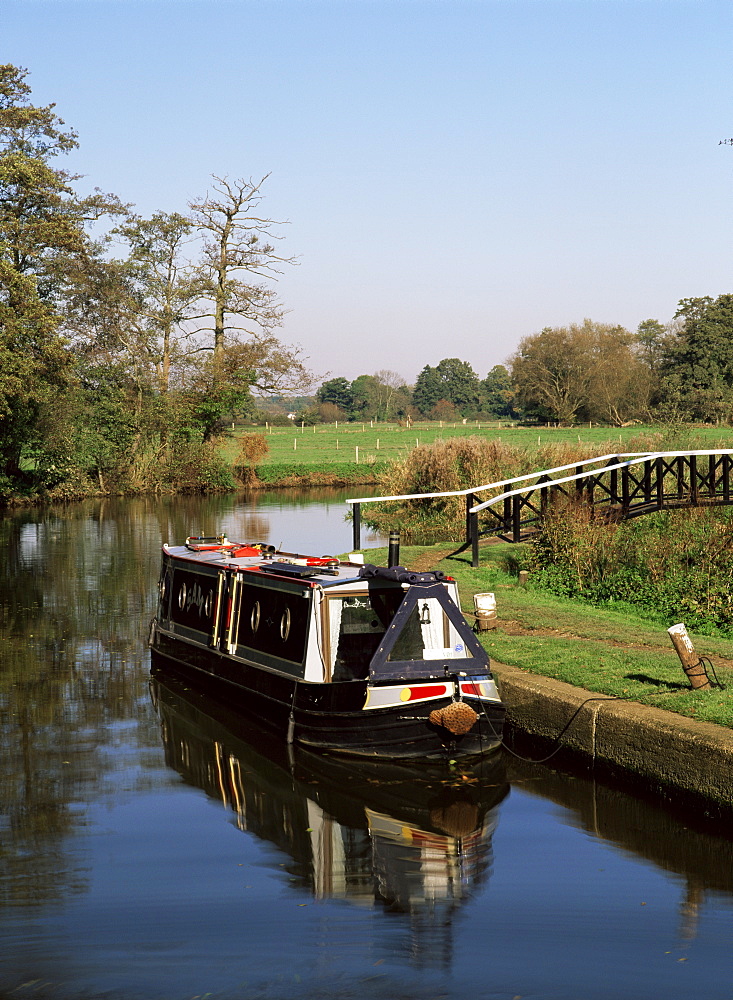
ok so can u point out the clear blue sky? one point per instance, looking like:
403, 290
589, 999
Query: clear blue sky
456, 175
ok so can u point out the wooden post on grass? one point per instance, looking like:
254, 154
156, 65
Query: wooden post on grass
691, 662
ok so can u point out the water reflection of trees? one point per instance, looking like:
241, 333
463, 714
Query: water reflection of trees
686, 842
77, 592
75, 588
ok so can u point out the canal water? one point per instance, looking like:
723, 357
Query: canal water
152, 846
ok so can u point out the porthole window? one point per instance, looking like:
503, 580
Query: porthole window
285, 625
163, 588
254, 619
208, 604
182, 596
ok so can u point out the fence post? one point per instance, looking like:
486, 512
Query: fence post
356, 525
693, 480
516, 519
692, 665
470, 501
506, 521
473, 531
590, 497
625, 489
659, 462
614, 480
680, 477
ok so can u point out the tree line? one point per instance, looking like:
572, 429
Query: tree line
125, 342
448, 391
681, 371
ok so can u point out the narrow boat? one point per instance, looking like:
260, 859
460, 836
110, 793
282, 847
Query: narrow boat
336, 655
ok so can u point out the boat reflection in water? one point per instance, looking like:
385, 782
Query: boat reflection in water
413, 840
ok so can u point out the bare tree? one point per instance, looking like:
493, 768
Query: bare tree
239, 257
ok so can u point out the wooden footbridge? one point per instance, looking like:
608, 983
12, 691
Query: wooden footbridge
613, 487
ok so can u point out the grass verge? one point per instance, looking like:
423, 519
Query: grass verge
327, 474
611, 651
369, 442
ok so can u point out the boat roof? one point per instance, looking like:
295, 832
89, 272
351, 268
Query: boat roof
326, 571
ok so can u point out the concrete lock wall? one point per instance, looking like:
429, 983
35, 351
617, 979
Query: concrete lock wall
660, 746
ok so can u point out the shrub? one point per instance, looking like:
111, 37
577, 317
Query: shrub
195, 467
329, 474
252, 449
674, 565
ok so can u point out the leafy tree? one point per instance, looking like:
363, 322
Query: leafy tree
337, 391
585, 371
624, 389
498, 393
363, 392
383, 396
443, 410
462, 383
43, 245
452, 380
428, 390
33, 368
163, 289
651, 337
108, 421
550, 372
329, 413
219, 387
697, 365
391, 396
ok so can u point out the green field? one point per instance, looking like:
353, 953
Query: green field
367, 442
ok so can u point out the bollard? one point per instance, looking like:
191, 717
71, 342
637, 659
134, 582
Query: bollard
394, 549
485, 608
692, 665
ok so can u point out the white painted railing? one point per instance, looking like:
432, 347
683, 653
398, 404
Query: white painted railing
531, 481
637, 459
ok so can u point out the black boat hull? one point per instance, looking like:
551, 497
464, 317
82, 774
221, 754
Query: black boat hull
328, 717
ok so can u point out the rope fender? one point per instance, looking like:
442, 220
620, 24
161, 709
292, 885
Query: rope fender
458, 718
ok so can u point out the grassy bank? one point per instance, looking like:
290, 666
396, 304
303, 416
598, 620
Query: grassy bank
614, 652
285, 474
326, 444
428, 457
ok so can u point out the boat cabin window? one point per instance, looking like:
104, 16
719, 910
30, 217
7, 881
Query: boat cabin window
358, 622
189, 598
274, 621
